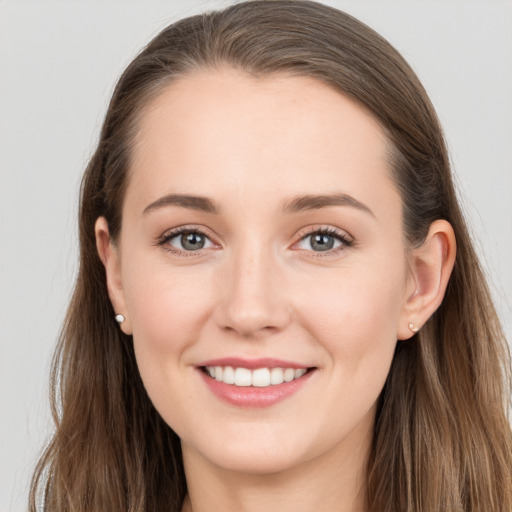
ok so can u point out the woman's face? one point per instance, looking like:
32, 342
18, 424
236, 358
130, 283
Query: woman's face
261, 239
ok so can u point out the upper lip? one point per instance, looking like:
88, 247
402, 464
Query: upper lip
253, 364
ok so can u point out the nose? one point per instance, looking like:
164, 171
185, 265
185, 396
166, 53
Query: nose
253, 299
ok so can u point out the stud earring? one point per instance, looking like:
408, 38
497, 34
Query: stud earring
120, 319
413, 327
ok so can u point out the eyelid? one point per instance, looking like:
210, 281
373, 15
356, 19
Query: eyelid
342, 236
324, 228
164, 239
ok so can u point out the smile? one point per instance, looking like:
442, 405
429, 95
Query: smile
254, 383
260, 377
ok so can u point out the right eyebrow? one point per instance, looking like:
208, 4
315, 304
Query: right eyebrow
198, 203
315, 202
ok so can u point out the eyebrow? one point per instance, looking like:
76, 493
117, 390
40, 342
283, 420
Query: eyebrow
315, 202
294, 205
199, 203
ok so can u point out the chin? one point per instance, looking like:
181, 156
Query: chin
249, 462
266, 453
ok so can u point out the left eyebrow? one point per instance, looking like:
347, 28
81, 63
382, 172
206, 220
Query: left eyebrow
314, 202
198, 203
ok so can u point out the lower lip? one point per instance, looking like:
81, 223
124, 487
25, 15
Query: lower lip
251, 396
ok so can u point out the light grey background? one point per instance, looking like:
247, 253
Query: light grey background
58, 63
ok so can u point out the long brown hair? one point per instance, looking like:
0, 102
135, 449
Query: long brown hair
442, 440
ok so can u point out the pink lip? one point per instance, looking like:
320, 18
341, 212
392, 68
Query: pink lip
252, 364
253, 397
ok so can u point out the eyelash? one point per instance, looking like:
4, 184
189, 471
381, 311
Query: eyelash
338, 235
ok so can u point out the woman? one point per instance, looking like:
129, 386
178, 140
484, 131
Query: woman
278, 306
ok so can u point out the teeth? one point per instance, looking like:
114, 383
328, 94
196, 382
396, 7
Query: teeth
289, 374
243, 377
260, 378
276, 376
229, 375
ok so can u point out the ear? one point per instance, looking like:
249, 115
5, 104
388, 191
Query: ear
109, 255
431, 265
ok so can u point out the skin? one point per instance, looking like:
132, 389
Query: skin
259, 288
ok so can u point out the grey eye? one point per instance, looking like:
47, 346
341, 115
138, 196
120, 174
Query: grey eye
190, 241
319, 242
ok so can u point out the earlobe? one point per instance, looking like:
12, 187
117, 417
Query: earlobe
431, 267
110, 257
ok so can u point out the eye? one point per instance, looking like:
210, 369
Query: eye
183, 240
324, 240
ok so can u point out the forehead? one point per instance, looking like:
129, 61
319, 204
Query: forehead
231, 134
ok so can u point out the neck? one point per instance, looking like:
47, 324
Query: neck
333, 481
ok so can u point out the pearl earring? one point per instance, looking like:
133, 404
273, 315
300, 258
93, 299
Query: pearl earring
413, 327
120, 319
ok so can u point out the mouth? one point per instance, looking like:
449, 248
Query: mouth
259, 377
256, 383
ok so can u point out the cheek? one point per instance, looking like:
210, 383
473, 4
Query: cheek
355, 318
356, 302
355, 322
166, 305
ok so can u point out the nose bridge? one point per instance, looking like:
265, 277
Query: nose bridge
254, 297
